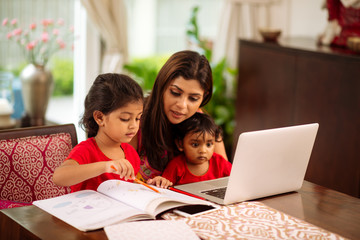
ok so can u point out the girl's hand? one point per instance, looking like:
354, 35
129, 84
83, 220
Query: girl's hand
160, 182
122, 167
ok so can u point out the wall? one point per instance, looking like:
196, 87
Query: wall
307, 17
162, 25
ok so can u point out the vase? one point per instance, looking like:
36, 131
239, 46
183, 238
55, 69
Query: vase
37, 86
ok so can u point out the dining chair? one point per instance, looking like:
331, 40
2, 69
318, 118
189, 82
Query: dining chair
28, 158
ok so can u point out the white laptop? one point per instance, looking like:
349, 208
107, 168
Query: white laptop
266, 163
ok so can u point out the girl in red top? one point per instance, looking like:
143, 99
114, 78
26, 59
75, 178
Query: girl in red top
113, 108
196, 138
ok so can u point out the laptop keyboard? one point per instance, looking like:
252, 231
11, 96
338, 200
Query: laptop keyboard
218, 192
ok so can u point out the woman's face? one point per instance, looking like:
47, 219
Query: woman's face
182, 99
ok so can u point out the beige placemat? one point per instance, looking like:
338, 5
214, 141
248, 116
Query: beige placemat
251, 220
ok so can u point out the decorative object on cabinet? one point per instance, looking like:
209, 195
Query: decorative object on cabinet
270, 35
353, 44
343, 22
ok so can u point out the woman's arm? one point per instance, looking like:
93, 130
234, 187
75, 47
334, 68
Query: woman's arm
71, 172
220, 149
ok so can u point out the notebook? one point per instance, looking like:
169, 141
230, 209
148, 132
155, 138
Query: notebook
266, 162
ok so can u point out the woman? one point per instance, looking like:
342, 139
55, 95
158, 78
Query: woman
183, 85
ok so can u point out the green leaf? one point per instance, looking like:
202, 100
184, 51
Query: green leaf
63, 73
145, 70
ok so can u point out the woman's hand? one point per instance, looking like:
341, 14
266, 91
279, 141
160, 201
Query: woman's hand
160, 182
122, 167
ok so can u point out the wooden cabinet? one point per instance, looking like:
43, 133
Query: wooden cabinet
296, 82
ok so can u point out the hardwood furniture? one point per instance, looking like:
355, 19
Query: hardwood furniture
328, 209
28, 158
296, 82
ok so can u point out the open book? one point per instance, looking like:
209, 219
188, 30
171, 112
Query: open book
114, 201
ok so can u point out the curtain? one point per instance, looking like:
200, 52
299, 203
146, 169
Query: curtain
109, 17
240, 19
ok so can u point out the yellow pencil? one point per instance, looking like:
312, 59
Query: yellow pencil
140, 182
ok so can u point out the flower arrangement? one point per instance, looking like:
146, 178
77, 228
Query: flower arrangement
38, 44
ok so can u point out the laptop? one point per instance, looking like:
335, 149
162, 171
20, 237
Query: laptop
266, 162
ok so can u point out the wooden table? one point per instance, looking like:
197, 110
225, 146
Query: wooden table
329, 209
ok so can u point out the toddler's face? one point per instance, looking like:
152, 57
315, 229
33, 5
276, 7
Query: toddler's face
198, 148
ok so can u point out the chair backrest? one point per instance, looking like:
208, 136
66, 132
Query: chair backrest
28, 158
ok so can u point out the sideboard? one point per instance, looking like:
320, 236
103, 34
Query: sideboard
295, 81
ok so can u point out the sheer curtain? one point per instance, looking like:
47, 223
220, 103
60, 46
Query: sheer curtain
241, 19
109, 17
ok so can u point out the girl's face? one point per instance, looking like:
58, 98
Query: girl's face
182, 99
198, 148
122, 124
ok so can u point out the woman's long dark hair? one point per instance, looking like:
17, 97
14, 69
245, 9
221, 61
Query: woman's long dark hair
109, 92
156, 130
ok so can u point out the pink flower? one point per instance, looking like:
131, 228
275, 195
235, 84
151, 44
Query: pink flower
14, 21
5, 21
71, 29
60, 22
45, 37
61, 43
31, 45
17, 32
47, 22
44, 22
32, 26
40, 44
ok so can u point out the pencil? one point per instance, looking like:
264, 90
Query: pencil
140, 182
146, 185
186, 193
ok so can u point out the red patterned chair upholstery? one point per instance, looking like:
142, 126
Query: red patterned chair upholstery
28, 158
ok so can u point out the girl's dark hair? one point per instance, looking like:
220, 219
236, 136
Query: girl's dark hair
198, 123
156, 132
109, 92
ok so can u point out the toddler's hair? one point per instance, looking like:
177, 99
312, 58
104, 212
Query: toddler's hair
198, 123
109, 92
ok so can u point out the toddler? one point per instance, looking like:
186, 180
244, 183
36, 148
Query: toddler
195, 137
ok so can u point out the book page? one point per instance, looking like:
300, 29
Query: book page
144, 198
151, 230
89, 210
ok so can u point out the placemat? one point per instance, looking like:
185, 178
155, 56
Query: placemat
251, 220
